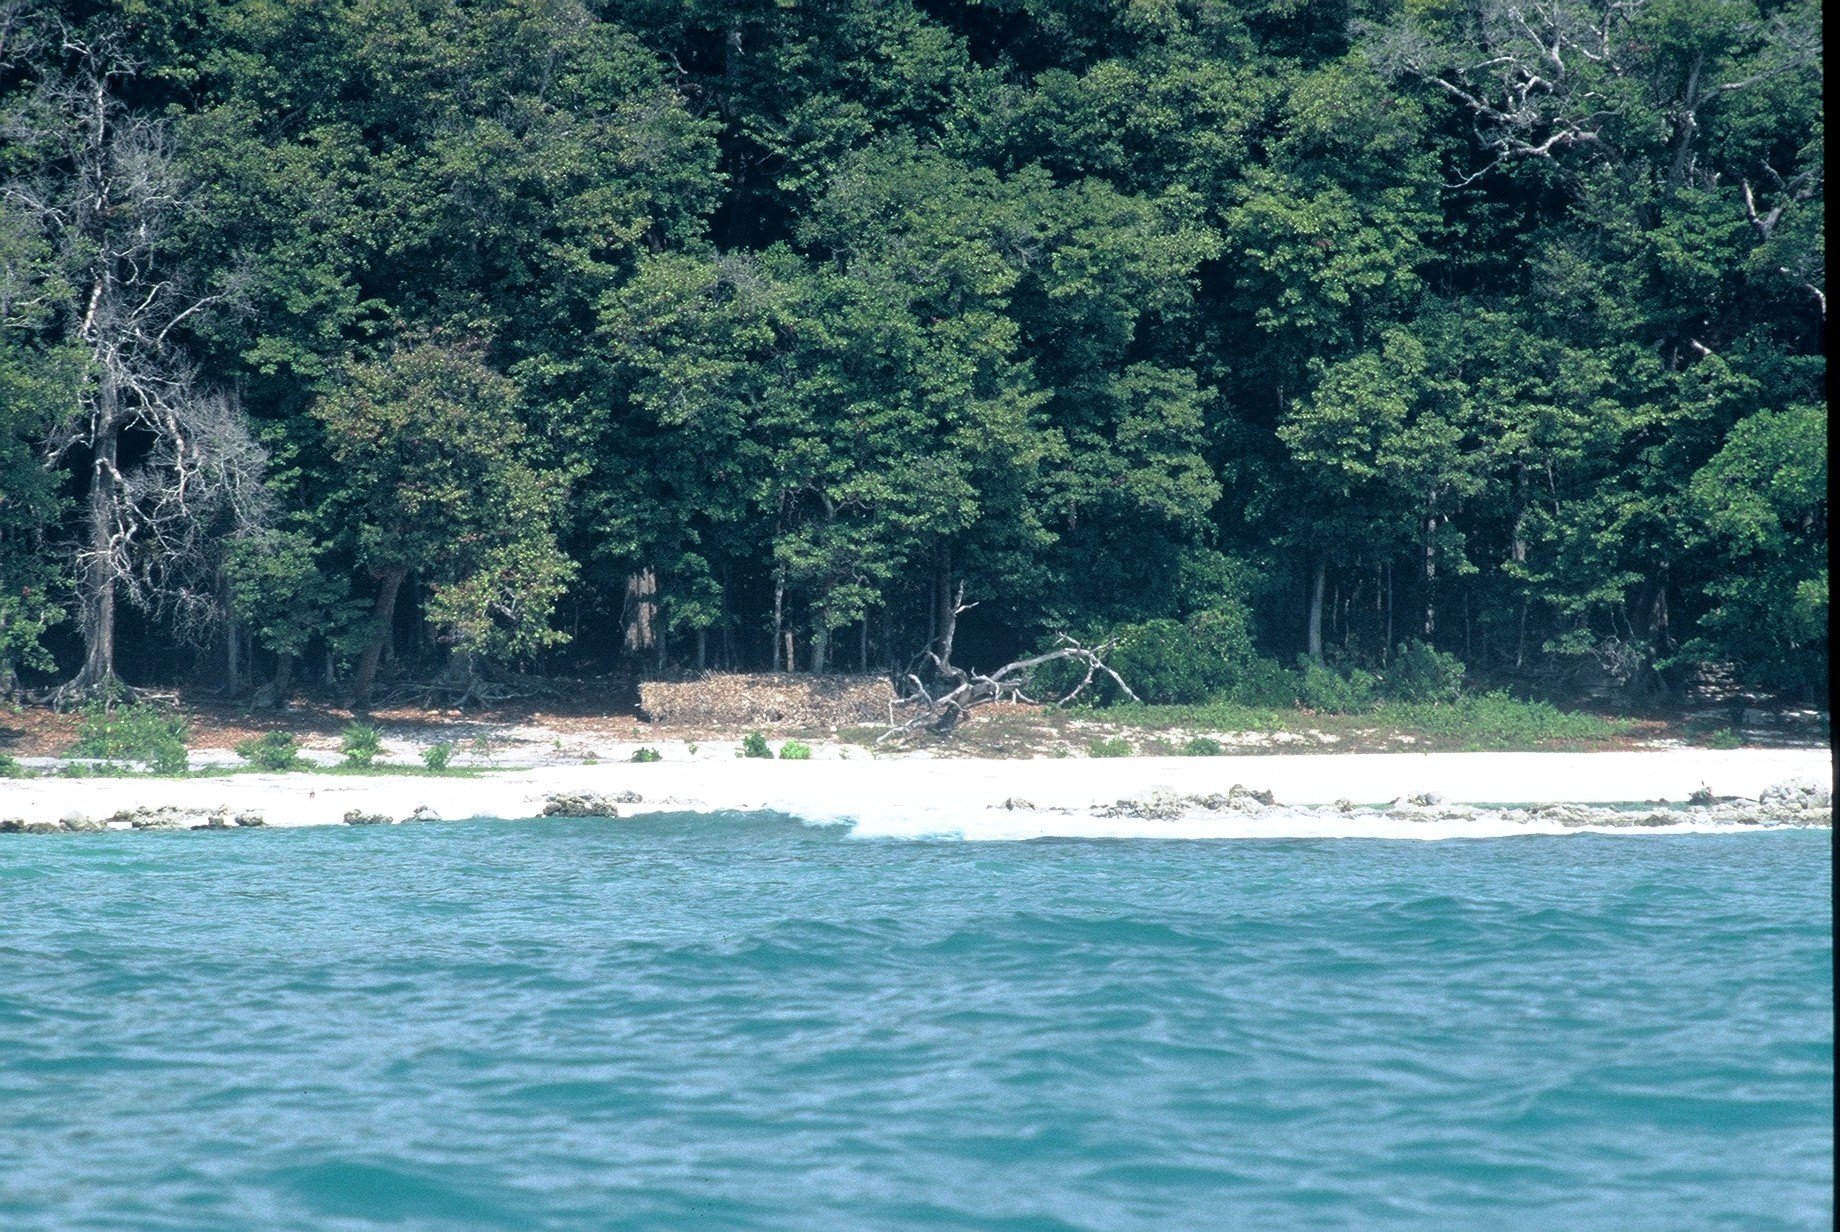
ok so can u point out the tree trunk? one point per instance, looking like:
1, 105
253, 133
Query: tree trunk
275, 692
382, 618
702, 648
98, 576
233, 666
948, 634
1430, 576
1316, 608
779, 620
862, 647
640, 614
820, 647
99, 655
1519, 550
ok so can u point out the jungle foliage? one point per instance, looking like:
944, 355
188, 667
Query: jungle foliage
362, 341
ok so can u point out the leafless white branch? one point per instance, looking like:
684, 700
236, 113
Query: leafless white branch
955, 691
173, 473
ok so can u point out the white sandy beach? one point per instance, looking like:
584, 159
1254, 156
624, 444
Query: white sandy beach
993, 799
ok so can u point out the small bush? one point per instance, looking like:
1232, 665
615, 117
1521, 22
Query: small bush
1264, 683
1166, 661
792, 750
436, 756
11, 769
1327, 691
360, 743
647, 755
1724, 738
754, 745
1161, 662
274, 751
1420, 673
1201, 746
1118, 746
134, 732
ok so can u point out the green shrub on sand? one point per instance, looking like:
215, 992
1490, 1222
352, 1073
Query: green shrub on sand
360, 743
276, 751
133, 732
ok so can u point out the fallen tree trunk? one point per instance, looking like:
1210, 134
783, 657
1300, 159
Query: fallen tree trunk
955, 692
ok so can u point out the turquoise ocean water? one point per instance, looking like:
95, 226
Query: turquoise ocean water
747, 1022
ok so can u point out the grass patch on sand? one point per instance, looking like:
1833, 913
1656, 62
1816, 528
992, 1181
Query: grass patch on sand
1489, 721
346, 770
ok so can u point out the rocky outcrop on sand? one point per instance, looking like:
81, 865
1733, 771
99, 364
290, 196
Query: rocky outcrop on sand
171, 818
586, 804
1794, 803
1798, 794
164, 818
1168, 805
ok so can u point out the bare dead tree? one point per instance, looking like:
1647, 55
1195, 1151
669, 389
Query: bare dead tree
109, 198
23, 31
199, 487
1788, 193
1540, 77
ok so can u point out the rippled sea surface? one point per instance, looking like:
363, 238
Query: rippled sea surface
746, 1022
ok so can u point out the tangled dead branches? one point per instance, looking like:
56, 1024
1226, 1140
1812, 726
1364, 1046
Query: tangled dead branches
955, 692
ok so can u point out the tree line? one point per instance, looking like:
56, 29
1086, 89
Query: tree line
368, 339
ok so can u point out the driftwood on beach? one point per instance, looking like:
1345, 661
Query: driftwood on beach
942, 695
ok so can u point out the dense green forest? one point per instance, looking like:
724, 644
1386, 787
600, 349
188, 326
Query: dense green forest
344, 341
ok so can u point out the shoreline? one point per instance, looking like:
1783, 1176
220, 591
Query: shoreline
1302, 796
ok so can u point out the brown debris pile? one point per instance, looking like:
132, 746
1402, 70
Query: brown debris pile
731, 700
